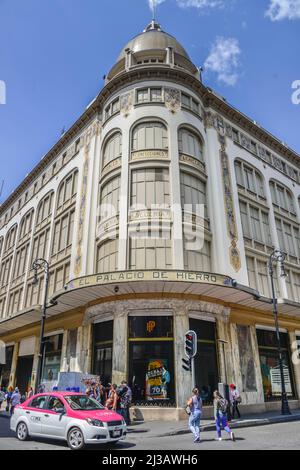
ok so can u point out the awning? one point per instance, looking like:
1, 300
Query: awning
85, 290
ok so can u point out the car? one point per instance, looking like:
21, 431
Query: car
67, 416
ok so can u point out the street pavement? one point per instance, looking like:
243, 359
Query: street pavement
283, 436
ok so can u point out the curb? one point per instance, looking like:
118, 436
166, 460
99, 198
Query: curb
238, 425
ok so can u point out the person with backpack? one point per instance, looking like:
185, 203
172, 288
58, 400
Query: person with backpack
194, 407
125, 397
236, 400
220, 414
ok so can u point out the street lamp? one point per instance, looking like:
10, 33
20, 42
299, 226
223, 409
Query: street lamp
41, 264
278, 256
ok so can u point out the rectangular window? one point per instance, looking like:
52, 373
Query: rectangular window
143, 95
156, 94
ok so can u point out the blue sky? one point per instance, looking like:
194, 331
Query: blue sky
54, 53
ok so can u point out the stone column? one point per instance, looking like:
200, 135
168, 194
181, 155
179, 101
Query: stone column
295, 360
120, 346
35, 363
225, 352
183, 379
84, 348
64, 367
14, 363
259, 382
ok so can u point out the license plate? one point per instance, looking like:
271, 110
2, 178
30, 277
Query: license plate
117, 433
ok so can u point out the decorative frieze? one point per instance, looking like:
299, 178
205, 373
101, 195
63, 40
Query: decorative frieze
188, 160
213, 120
150, 155
172, 99
127, 103
113, 165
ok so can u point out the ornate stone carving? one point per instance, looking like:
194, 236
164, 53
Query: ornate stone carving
127, 103
234, 255
173, 99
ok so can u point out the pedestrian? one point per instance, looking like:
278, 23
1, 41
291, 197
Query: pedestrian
15, 400
236, 400
8, 398
112, 398
194, 405
2, 396
29, 393
101, 393
220, 414
125, 397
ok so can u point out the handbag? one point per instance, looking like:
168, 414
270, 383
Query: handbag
7, 408
188, 410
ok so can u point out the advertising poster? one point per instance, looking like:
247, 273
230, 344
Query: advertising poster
157, 380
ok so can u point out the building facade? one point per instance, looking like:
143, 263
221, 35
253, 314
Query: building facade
157, 211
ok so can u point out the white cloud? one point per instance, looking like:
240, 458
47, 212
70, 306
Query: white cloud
155, 3
284, 9
224, 60
201, 3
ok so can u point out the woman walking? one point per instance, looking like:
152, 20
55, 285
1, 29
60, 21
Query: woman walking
195, 408
220, 412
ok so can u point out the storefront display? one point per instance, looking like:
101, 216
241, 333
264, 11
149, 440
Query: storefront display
269, 361
151, 360
52, 359
6, 368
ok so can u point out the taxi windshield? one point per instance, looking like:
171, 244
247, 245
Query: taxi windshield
83, 403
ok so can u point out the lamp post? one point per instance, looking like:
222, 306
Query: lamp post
278, 256
41, 264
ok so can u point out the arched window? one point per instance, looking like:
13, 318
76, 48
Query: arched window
190, 144
150, 136
67, 189
26, 224
249, 178
45, 208
282, 197
10, 239
112, 148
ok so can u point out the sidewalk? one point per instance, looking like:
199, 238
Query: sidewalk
171, 428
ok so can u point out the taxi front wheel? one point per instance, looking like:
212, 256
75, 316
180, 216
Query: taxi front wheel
75, 439
22, 432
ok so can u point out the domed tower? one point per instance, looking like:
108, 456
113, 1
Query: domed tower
153, 47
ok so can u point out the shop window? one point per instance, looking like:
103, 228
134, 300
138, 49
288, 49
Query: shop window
103, 347
206, 363
5, 369
269, 362
52, 358
151, 360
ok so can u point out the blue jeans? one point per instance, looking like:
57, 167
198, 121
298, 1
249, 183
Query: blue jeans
221, 422
194, 423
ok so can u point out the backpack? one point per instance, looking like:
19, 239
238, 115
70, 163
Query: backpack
223, 405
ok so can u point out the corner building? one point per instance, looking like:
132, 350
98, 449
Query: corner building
154, 145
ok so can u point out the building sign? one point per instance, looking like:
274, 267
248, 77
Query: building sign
276, 380
157, 380
137, 276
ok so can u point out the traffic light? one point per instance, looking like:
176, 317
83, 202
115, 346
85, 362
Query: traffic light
187, 364
190, 346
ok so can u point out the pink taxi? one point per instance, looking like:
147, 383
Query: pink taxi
72, 417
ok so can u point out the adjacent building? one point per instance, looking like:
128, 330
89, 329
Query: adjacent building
157, 211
